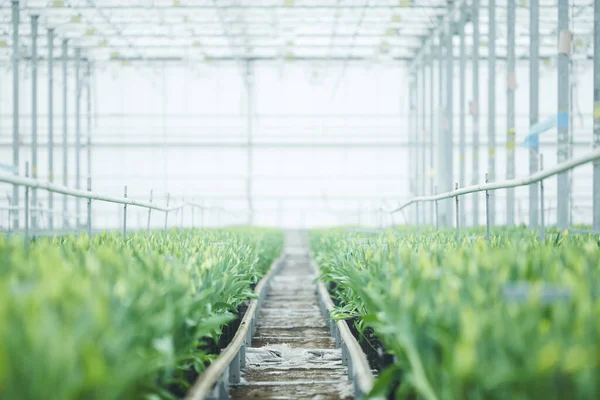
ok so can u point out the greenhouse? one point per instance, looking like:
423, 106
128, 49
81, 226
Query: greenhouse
299, 199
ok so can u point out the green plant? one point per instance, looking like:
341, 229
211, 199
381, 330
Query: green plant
105, 318
515, 318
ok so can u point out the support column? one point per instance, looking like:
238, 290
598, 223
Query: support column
65, 148
417, 128
448, 184
424, 134
51, 124
431, 131
34, 110
15, 143
88, 86
249, 177
412, 137
562, 121
596, 186
475, 107
78, 89
441, 143
510, 110
534, 77
462, 111
491, 128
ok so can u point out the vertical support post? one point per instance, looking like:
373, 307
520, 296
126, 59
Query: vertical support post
149, 214
167, 212
125, 216
542, 211
34, 111
249, 81
15, 105
437, 219
441, 142
51, 125
448, 166
462, 106
234, 369
457, 214
596, 185
487, 211
534, 81
78, 88
412, 126
193, 207
510, 110
65, 144
182, 209
431, 130
418, 219
491, 128
475, 108
88, 146
424, 133
417, 122
89, 208
27, 207
562, 117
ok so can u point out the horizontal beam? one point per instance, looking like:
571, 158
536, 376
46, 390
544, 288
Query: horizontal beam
508, 184
392, 145
216, 7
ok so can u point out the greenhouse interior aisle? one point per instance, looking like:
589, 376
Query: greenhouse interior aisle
292, 353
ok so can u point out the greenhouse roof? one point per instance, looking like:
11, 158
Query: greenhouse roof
182, 30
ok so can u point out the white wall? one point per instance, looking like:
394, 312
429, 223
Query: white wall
293, 102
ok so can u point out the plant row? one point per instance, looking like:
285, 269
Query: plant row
108, 318
514, 318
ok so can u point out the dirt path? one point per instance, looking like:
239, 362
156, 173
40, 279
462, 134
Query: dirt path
293, 355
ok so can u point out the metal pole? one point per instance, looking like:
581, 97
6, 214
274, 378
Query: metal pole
125, 216
534, 78
542, 212
431, 128
457, 214
65, 149
462, 106
491, 104
249, 98
475, 107
27, 207
449, 145
441, 150
78, 88
596, 185
181, 210
437, 219
89, 208
510, 110
562, 121
51, 125
34, 90
424, 135
412, 124
417, 121
89, 117
418, 219
149, 213
167, 213
487, 211
15, 73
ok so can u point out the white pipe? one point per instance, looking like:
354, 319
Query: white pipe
511, 183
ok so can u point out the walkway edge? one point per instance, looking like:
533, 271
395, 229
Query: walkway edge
214, 382
353, 357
